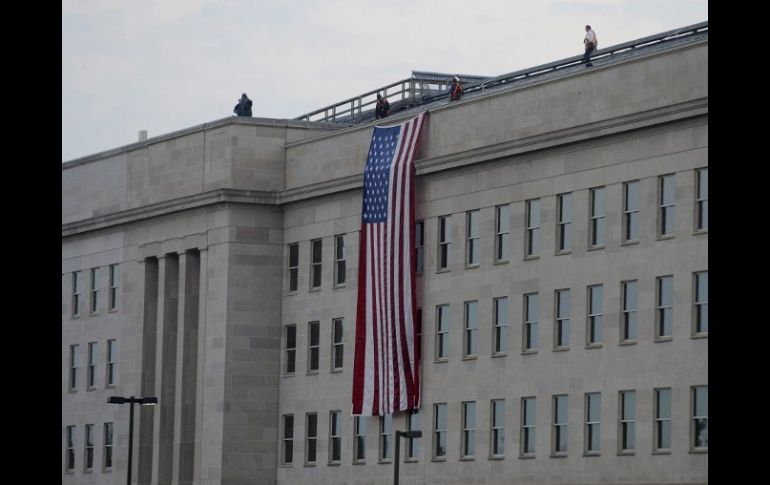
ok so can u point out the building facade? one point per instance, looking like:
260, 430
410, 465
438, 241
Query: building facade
562, 243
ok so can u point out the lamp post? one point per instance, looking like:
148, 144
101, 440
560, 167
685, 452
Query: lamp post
142, 401
399, 435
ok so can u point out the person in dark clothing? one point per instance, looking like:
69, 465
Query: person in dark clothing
456, 90
382, 108
590, 43
243, 108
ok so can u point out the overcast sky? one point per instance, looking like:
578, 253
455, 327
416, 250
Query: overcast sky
164, 65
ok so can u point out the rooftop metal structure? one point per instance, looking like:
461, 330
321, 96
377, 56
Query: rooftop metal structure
424, 88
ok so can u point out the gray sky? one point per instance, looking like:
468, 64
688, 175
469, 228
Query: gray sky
164, 65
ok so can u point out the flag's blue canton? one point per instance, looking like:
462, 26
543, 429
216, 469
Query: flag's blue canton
377, 174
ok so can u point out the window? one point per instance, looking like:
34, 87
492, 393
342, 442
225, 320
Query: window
472, 242
701, 304
444, 242
497, 423
666, 215
74, 364
662, 429
593, 433
533, 227
597, 217
291, 348
312, 346
337, 345
386, 437
628, 322
69, 459
528, 415
702, 199
561, 332
89, 451
316, 246
530, 322
627, 427
631, 211
664, 307
293, 266
76, 291
287, 455
500, 337
335, 437
560, 426
107, 453
442, 332
114, 276
413, 444
419, 246
439, 430
564, 222
503, 232
595, 310
359, 443
471, 325
94, 289
311, 437
468, 437
112, 362
339, 260
700, 418
92, 356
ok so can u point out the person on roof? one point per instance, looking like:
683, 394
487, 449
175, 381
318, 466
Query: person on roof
591, 44
382, 108
455, 90
243, 108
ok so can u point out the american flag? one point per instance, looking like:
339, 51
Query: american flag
387, 358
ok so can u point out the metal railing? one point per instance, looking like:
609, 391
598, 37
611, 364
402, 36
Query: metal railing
411, 89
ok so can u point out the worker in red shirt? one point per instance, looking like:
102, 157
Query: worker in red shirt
456, 90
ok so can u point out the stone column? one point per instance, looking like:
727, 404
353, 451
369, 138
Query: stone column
146, 415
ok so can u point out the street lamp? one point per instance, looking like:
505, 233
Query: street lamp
399, 435
142, 401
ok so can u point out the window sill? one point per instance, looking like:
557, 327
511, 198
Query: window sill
336, 371
334, 463
314, 290
112, 310
467, 458
285, 465
595, 248
663, 339
438, 459
528, 352
531, 257
90, 388
470, 357
309, 465
661, 452
530, 456
443, 270
562, 252
93, 314
664, 237
311, 373
591, 454
359, 462
88, 471
699, 335
630, 242
337, 287
110, 386
472, 266
411, 460
700, 232
501, 262
440, 361
290, 293
107, 470
698, 451
75, 317
288, 375
499, 354
558, 455
628, 342
496, 457
385, 462
626, 453
561, 349
594, 346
